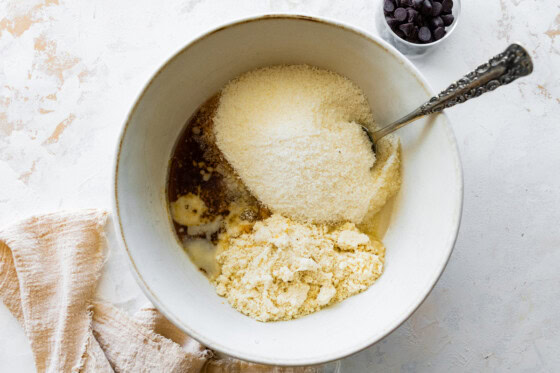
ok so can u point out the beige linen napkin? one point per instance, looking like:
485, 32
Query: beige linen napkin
49, 268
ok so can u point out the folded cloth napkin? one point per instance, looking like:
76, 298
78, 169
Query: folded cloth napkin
49, 268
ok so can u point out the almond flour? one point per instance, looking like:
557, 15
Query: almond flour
292, 135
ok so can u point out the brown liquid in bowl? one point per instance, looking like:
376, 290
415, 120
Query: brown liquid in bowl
198, 167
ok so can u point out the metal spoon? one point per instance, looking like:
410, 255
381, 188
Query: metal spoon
502, 69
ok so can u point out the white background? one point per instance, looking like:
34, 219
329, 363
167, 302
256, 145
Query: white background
70, 70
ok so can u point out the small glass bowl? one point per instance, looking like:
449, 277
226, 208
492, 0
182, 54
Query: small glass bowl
406, 47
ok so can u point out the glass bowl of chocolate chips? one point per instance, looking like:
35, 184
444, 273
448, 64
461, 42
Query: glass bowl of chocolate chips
415, 27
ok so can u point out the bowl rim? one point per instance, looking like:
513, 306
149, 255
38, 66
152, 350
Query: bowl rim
248, 355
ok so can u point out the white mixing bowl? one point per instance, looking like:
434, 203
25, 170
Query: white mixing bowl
424, 223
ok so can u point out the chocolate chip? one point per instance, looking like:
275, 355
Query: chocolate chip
414, 36
400, 34
427, 7
389, 6
417, 4
424, 34
439, 33
447, 19
400, 14
406, 3
407, 28
436, 8
447, 6
412, 14
436, 22
393, 23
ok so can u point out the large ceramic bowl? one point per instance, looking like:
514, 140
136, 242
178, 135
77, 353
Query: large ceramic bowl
424, 223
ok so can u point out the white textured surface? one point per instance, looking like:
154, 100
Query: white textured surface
71, 70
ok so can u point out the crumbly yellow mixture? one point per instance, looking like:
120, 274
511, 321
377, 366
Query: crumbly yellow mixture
283, 269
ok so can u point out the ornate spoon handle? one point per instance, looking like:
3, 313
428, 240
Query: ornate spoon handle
502, 69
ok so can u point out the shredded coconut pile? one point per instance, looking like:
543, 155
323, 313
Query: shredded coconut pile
282, 269
292, 135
